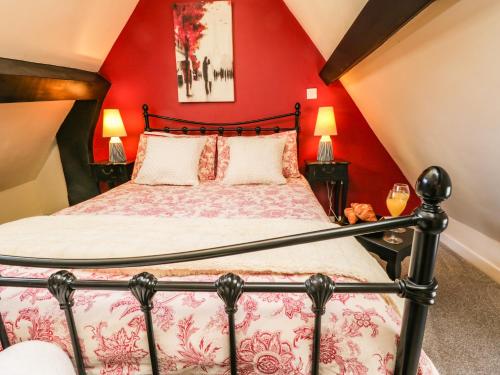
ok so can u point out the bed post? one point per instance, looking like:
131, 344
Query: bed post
4, 337
297, 125
433, 186
229, 289
60, 285
143, 287
145, 113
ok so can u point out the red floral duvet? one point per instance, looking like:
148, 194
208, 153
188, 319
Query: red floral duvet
274, 331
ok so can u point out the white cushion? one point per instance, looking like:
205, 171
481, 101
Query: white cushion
254, 160
171, 161
35, 358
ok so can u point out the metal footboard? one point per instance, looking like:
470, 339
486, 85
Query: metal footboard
419, 289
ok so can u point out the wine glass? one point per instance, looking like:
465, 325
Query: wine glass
403, 191
396, 203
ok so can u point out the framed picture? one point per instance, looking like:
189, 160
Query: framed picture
204, 51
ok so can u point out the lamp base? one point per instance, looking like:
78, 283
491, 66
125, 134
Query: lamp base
116, 151
325, 149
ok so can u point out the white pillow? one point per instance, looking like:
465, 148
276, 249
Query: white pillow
255, 160
35, 357
171, 161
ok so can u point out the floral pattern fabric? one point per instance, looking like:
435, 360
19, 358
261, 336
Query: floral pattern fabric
294, 200
206, 167
290, 163
274, 330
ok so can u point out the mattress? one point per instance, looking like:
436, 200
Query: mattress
274, 330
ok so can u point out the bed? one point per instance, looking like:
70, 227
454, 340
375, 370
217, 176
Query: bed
149, 286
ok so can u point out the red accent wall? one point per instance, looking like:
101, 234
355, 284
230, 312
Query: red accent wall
274, 63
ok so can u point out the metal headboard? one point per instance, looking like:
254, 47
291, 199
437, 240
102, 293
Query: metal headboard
220, 128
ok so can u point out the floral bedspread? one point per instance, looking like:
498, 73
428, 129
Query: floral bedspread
274, 331
294, 200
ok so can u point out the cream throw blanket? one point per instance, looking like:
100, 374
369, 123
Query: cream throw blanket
108, 236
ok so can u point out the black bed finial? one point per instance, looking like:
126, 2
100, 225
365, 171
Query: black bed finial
145, 107
229, 289
319, 288
60, 285
297, 108
143, 287
433, 185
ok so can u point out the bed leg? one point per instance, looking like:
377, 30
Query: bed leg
143, 287
319, 289
229, 289
60, 286
433, 186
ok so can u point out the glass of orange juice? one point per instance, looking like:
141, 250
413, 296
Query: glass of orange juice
396, 203
403, 192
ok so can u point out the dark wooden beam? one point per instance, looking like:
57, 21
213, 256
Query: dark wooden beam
23, 81
376, 22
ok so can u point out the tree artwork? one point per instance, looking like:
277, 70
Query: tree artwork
188, 31
203, 49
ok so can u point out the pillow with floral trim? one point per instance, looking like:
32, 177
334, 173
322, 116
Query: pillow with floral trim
171, 161
290, 163
206, 167
255, 161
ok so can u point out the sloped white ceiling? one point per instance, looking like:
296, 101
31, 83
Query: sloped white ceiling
72, 33
27, 132
431, 94
325, 21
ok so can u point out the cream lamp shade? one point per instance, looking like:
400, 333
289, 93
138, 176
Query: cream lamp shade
325, 122
112, 124
325, 127
112, 128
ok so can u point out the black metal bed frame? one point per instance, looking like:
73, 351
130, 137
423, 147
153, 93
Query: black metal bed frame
221, 128
419, 289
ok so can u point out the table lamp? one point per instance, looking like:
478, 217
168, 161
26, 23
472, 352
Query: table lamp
325, 127
112, 128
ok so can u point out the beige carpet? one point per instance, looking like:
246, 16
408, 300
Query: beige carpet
463, 328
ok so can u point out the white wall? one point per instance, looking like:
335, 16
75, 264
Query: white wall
43, 195
72, 33
325, 21
479, 249
431, 95
27, 132
32, 180
51, 185
19, 201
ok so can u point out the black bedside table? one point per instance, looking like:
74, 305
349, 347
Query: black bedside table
112, 174
391, 253
332, 173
